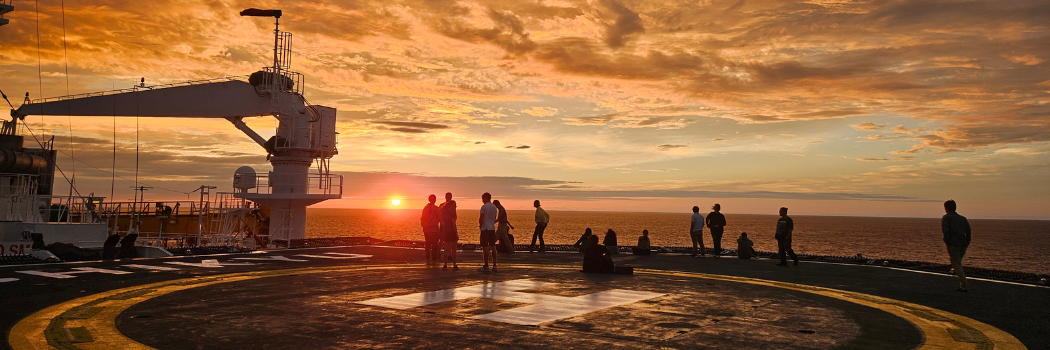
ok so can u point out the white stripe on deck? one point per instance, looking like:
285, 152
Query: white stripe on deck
544, 308
150, 267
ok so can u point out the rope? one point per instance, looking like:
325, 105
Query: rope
65, 58
121, 177
113, 179
39, 69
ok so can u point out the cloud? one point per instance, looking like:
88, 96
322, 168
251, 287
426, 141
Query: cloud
519, 147
868, 126
417, 125
626, 22
540, 111
1028, 60
668, 147
376, 185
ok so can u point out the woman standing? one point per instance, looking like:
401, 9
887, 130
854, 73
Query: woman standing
450, 235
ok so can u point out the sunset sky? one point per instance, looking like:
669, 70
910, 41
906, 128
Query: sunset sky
883, 108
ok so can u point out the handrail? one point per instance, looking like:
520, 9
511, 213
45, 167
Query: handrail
139, 88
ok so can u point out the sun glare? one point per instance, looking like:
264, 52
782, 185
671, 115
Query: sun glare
395, 202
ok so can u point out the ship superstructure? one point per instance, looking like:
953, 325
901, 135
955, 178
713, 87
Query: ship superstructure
262, 208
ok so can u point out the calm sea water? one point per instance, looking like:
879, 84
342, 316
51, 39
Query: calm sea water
1018, 245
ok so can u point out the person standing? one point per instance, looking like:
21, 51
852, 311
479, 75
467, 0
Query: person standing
542, 218
784, 228
957, 236
431, 222
716, 222
503, 228
696, 230
487, 223
449, 233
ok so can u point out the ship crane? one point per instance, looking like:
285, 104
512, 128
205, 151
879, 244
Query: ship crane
305, 133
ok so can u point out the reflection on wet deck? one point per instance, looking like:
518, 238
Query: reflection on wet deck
544, 308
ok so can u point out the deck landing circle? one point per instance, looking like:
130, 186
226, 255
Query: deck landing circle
397, 307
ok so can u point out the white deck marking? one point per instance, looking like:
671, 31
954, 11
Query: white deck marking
150, 267
210, 263
272, 258
349, 254
342, 256
544, 308
69, 274
5, 280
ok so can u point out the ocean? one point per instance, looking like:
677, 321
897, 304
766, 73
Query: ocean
1016, 245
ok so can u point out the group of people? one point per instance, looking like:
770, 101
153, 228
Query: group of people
439, 230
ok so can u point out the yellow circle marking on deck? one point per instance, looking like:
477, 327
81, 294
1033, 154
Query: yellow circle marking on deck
90, 322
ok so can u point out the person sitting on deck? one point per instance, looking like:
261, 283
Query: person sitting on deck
643, 247
610, 242
584, 241
596, 258
745, 248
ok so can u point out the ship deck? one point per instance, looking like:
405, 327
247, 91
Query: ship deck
383, 297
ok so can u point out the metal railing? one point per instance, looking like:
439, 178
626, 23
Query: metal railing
327, 184
143, 87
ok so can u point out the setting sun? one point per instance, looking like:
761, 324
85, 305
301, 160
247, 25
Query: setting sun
395, 202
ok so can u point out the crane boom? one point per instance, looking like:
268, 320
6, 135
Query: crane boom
224, 99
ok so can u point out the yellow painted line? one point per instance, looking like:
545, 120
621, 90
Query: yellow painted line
62, 326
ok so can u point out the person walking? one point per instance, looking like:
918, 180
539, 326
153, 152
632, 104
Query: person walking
696, 230
957, 236
449, 233
784, 228
542, 218
487, 223
716, 222
431, 222
503, 228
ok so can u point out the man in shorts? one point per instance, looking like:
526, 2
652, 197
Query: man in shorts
487, 223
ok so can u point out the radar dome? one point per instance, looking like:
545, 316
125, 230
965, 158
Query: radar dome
244, 178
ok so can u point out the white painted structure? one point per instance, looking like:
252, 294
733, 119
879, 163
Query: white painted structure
305, 135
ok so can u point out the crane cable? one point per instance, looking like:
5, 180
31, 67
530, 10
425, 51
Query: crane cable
65, 58
39, 69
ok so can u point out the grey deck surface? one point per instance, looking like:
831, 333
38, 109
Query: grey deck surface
323, 310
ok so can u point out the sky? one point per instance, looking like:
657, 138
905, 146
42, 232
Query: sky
879, 108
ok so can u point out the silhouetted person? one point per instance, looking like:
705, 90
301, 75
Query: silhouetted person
542, 219
745, 248
610, 242
783, 236
584, 241
487, 223
431, 222
957, 236
696, 230
716, 222
503, 228
644, 247
449, 233
596, 258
